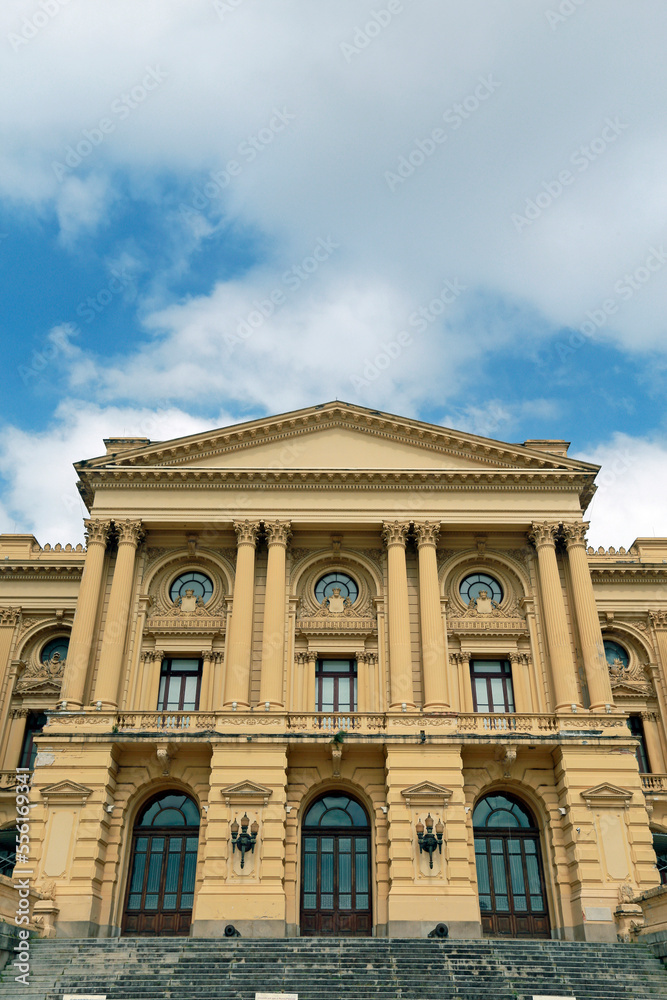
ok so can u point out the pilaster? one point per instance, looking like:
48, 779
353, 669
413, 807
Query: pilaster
273, 632
400, 653
239, 637
433, 634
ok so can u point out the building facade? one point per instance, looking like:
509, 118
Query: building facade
335, 672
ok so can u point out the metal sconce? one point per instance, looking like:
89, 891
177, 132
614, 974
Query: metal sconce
429, 841
244, 841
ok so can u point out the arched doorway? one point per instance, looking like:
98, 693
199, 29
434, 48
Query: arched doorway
510, 878
160, 889
335, 868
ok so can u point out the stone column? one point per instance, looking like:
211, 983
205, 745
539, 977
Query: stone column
555, 620
400, 653
309, 686
206, 680
115, 626
434, 640
654, 749
15, 738
81, 640
588, 623
522, 700
239, 639
273, 632
9, 619
658, 620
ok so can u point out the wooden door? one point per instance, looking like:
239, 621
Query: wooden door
160, 892
335, 883
511, 885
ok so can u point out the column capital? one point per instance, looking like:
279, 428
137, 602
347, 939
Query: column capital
394, 532
427, 533
575, 533
542, 533
129, 532
278, 532
658, 619
246, 532
96, 530
9, 616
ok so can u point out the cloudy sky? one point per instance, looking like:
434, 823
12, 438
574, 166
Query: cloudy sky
212, 210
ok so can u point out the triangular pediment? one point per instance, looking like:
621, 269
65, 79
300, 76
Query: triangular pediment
426, 792
606, 794
336, 435
246, 791
66, 792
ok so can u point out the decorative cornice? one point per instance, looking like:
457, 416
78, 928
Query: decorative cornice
395, 532
606, 794
66, 793
426, 793
246, 791
575, 533
246, 532
427, 532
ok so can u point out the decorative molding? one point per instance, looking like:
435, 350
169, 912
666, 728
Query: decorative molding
246, 532
42, 678
427, 532
606, 794
395, 532
96, 530
65, 793
278, 532
658, 619
9, 616
632, 678
575, 533
426, 793
543, 533
129, 532
246, 791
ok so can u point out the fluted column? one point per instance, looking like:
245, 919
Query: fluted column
555, 619
81, 639
434, 640
400, 654
273, 632
239, 640
115, 626
588, 623
652, 736
310, 687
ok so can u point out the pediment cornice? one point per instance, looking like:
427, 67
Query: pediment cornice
226, 440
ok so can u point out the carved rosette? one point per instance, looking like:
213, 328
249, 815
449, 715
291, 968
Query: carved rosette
575, 533
278, 532
246, 532
96, 531
427, 533
129, 532
9, 616
395, 532
543, 534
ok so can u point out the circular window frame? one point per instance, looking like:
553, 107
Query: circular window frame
510, 591
474, 572
622, 646
184, 572
171, 572
50, 639
323, 567
349, 575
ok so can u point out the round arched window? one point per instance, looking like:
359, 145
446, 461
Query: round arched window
58, 645
200, 584
170, 809
501, 812
614, 652
336, 810
473, 585
326, 585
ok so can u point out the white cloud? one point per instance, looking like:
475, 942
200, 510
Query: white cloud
630, 500
41, 495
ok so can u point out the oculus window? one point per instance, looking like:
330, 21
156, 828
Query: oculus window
200, 584
472, 586
345, 585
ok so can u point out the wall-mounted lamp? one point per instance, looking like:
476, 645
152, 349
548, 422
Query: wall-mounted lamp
429, 841
109, 807
562, 810
607, 709
267, 706
467, 809
288, 809
404, 706
98, 706
205, 808
244, 841
384, 809
574, 708
235, 705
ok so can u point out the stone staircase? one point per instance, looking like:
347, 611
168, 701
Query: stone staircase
337, 969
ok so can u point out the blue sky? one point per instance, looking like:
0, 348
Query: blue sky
211, 211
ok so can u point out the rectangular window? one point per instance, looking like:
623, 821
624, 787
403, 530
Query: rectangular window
336, 686
34, 724
180, 685
492, 689
636, 727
